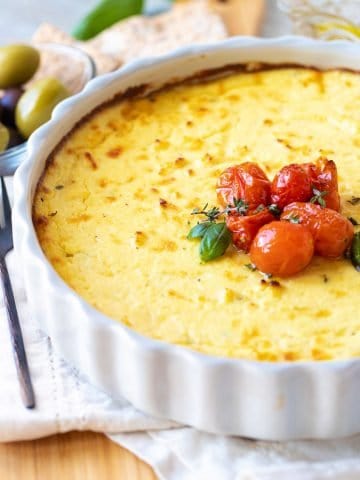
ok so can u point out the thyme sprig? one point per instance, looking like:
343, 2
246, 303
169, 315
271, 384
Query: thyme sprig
274, 209
354, 221
293, 218
212, 214
318, 197
354, 200
250, 266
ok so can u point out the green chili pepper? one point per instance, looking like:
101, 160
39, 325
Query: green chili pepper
105, 14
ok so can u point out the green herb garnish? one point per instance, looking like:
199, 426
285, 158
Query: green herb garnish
353, 221
274, 209
240, 207
215, 241
198, 231
318, 197
212, 214
354, 201
355, 251
293, 218
250, 266
215, 236
260, 208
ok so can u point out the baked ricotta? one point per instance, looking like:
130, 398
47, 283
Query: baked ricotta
113, 209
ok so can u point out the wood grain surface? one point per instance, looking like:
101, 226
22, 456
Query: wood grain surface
87, 455
242, 17
73, 456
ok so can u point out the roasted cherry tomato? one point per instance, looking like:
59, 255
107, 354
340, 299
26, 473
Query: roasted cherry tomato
291, 184
332, 232
324, 178
282, 248
244, 228
245, 182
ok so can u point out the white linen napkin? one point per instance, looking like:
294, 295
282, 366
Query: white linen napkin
67, 401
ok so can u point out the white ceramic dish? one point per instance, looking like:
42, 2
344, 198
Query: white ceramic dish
255, 399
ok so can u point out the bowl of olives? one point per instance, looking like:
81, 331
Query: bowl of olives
33, 80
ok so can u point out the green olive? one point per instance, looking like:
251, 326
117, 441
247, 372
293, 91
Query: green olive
4, 137
36, 104
18, 63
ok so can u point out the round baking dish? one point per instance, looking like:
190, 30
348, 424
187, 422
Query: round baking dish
274, 401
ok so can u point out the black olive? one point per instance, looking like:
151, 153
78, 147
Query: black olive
8, 102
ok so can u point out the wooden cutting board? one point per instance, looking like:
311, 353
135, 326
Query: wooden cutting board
86, 455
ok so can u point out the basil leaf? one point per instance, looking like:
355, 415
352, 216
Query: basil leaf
199, 230
105, 14
216, 240
355, 251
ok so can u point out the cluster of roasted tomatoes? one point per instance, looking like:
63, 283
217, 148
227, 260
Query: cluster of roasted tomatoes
288, 220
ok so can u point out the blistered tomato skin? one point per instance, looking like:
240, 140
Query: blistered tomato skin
291, 184
244, 228
246, 182
282, 248
324, 178
332, 232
